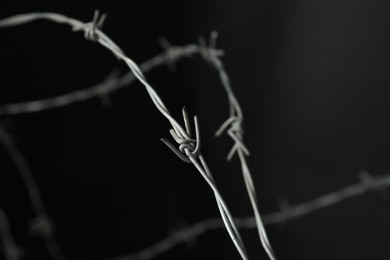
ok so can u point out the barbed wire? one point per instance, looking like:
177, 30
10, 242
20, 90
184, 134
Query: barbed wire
286, 213
10, 248
92, 32
189, 148
41, 225
233, 125
171, 55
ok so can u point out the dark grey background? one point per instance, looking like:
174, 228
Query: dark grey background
312, 79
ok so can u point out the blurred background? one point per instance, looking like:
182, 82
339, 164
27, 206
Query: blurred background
312, 80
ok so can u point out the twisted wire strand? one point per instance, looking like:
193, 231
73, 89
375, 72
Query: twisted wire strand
190, 148
10, 248
234, 128
367, 183
92, 32
111, 84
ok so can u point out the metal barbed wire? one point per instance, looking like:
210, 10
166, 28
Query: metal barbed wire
233, 125
41, 225
286, 213
171, 55
235, 131
188, 147
10, 248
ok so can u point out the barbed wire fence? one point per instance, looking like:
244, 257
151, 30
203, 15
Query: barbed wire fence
188, 151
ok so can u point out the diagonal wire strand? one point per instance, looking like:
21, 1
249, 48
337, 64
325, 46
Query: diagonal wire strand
11, 250
174, 53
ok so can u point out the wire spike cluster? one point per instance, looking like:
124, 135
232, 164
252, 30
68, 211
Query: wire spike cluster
233, 127
209, 51
185, 144
172, 54
90, 29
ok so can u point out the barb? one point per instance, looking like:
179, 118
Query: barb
91, 27
11, 250
186, 145
41, 225
287, 213
171, 58
95, 34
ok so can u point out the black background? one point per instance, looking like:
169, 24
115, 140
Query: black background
312, 79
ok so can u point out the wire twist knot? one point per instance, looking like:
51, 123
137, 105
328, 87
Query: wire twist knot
90, 28
172, 53
187, 145
209, 52
233, 126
